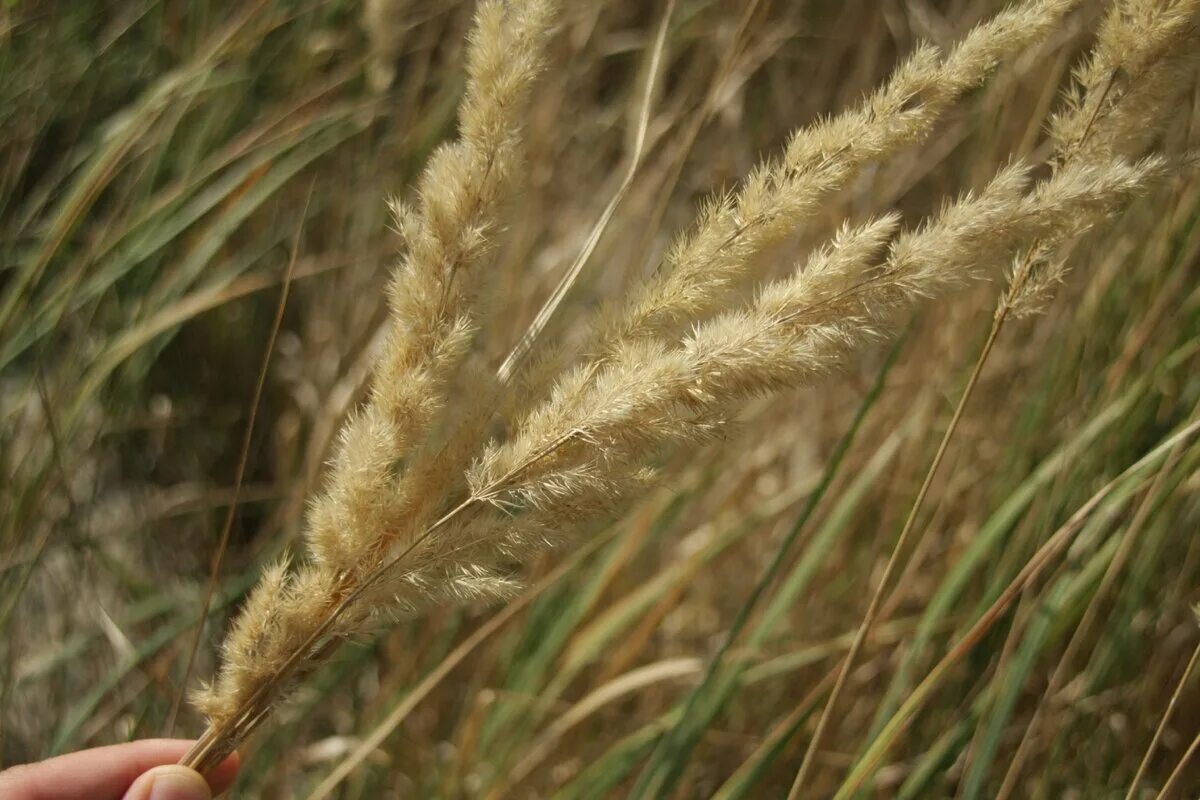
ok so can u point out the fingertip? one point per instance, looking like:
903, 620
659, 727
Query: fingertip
171, 782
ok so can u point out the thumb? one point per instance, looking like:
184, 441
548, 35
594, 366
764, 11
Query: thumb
169, 783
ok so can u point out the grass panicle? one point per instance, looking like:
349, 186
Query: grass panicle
377, 543
638, 298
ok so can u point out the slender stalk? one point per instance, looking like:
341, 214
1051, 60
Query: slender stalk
512, 363
893, 563
1172, 783
1162, 726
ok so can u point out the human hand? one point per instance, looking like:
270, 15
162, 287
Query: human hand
141, 770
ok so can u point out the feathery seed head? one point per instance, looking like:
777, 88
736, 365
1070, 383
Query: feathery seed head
416, 512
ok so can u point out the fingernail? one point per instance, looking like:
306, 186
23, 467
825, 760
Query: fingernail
177, 783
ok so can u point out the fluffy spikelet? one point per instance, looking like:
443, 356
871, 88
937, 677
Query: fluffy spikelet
602, 420
1081, 195
780, 195
1077, 198
281, 614
798, 329
432, 293
366, 506
240, 649
1137, 70
922, 89
830, 275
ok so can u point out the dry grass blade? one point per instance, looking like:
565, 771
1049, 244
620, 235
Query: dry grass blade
899, 548
619, 236
1084, 629
1176, 777
111, 158
613, 690
1053, 547
512, 362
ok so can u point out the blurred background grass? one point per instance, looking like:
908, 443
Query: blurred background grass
157, 160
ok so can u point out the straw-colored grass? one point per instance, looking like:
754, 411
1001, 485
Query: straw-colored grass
715, 562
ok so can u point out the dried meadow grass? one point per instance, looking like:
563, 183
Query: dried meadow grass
414, 516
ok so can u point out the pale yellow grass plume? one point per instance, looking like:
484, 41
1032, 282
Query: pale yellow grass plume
1121, 97
592, 437
1138, 69
413, 515
782, 193
370, 503
367, 509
